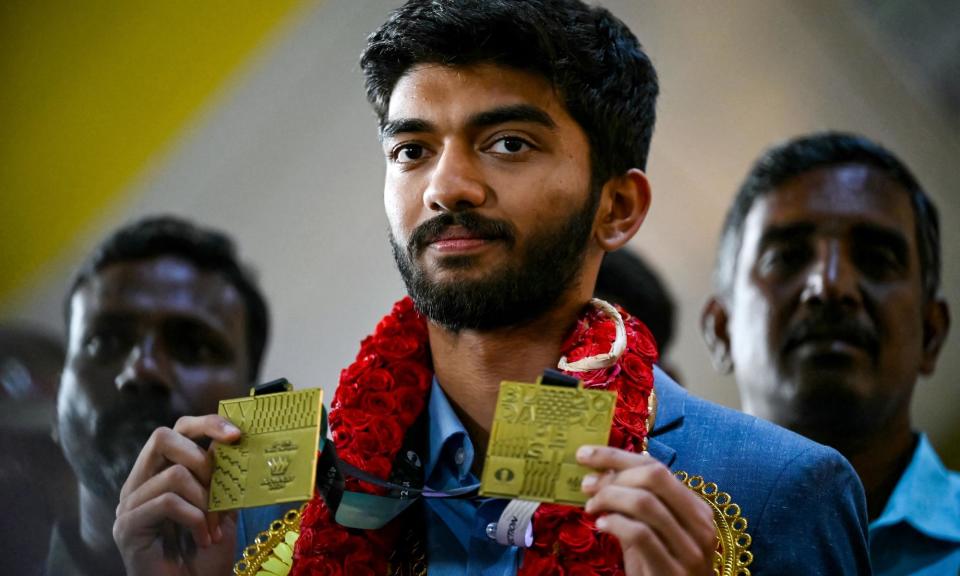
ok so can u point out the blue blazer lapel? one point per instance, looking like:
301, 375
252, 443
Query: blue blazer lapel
671, 399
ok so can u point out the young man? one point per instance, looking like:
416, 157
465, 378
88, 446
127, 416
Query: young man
828, 309
515, 135
162, 322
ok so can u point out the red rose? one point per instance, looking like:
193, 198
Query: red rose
642, 342
637, 369
351, 415
362, 561
539, 563
381, 436
382, 403
328, 537
577, 535
634, 422
316, 511
603, 333
617, 437
316, 566
582, 570
408, 374
632, 399
363, 363
305, 540
548, 519
397, 345
403, 307
410, 403
376, 379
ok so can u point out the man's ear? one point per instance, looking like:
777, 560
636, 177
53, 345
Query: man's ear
713, 328
624, 201
936, 326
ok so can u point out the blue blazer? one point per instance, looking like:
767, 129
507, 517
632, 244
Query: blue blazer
803, 502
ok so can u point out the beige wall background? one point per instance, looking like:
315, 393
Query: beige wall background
287, 160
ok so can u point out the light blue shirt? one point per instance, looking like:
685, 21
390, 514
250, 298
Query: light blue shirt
457, 543
919, 529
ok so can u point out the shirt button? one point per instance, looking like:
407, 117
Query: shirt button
459, 456
492, 530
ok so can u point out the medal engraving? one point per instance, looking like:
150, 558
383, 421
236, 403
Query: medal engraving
536, 432
275, 459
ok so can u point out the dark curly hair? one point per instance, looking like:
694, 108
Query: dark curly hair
597, 66
205, 248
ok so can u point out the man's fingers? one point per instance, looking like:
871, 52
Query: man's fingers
177, 479
646, 507
644, 552
607, 458
643, 471
210, 426
166, 446
145, 521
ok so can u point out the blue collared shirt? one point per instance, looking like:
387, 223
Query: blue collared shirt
919, 529
457, 542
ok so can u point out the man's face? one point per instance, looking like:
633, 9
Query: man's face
487, 192
149, 341
827, 315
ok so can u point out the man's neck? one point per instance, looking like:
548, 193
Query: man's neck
880, 461
96, 531
470, 365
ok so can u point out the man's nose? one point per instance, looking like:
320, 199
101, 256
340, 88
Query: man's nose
146, 369
832, 277
456, 182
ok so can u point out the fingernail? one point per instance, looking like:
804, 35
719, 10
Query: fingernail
584, 452
217, 534
230, 428
602, 523
588, 481
588, 506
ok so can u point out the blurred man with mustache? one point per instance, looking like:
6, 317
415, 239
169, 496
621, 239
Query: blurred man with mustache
827, 309
163, 321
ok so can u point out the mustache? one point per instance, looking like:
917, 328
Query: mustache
426, 233
134, 420
831, 323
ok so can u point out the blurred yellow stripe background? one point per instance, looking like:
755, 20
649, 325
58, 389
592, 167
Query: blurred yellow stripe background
91, 91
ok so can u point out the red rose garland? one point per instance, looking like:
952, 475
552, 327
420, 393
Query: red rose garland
383, 392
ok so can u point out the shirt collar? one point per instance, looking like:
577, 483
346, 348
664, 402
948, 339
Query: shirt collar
927, 497
447, 435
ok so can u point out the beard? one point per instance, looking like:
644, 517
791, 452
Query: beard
102, 457
546, 267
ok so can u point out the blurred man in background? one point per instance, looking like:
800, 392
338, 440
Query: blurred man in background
35, 481
628, 280
827, 309
162, 321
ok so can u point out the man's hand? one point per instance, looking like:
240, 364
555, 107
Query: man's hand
165, 498
662, 526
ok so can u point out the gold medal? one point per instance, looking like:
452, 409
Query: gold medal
275, 459
537, 430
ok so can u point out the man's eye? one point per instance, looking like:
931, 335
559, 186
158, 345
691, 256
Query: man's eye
198, 351
783, 259
104, 345
510, 145
878, 262
406, 153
